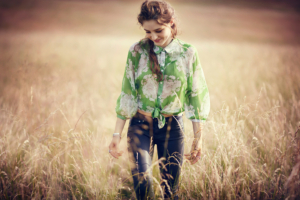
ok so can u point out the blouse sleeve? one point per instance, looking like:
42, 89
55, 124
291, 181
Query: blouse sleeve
197, 105
127, 102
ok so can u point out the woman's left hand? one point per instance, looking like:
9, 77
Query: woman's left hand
193, 156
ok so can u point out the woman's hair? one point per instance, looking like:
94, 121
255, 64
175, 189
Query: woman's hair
163, 13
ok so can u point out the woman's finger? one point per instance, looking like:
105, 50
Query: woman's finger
194, 153
195, 160
188, 156
197, 157
190, 159
193, 156
120, 153
116, 154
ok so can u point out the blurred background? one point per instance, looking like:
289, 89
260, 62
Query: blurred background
61, 69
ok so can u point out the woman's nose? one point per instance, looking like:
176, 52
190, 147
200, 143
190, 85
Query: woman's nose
153, 36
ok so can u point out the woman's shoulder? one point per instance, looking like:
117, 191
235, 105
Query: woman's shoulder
187, 47
139, 47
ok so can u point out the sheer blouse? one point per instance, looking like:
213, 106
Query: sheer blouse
183, 87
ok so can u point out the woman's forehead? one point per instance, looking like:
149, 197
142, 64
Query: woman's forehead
151, 25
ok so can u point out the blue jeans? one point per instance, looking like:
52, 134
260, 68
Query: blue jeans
142, 135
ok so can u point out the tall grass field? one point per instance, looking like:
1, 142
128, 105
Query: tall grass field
61, 69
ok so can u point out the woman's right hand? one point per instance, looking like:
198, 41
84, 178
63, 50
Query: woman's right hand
114, 147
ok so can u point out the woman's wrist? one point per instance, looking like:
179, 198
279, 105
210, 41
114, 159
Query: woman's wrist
197, 127
116, 135
120, 123
196, 146
197, 142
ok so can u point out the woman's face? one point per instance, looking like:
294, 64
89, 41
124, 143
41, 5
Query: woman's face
161, 35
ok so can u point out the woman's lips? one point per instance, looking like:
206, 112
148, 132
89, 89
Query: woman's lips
156, 40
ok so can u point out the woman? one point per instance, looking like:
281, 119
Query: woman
163, 78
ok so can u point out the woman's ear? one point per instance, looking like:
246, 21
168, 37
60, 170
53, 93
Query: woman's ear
172, 22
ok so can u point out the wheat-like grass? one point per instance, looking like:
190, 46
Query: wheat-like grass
58, 92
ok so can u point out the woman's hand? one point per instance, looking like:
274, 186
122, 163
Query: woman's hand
195, 153
114, 147
193, 156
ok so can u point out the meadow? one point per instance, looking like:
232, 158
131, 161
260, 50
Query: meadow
61, 69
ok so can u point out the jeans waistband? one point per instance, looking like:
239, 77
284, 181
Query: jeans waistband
150, 119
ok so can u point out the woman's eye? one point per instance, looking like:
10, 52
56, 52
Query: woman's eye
156, 31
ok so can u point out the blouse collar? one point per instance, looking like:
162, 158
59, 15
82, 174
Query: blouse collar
170, 48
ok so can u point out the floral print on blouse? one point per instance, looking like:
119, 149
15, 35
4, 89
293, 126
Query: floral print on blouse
183, 87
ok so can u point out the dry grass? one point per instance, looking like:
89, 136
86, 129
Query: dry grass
61, 70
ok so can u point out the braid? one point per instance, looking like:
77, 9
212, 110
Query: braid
154, 66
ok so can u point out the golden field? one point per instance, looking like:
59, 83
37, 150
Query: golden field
61, 68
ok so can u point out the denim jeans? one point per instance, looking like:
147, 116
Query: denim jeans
142, 135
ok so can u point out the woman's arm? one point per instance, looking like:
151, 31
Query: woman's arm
114, 145
195, 152
127, 102
197, 143
120, 123
198, 104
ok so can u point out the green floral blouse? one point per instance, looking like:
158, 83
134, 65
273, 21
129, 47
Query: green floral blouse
183, 87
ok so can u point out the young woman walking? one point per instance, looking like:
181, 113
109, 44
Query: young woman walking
163, 78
